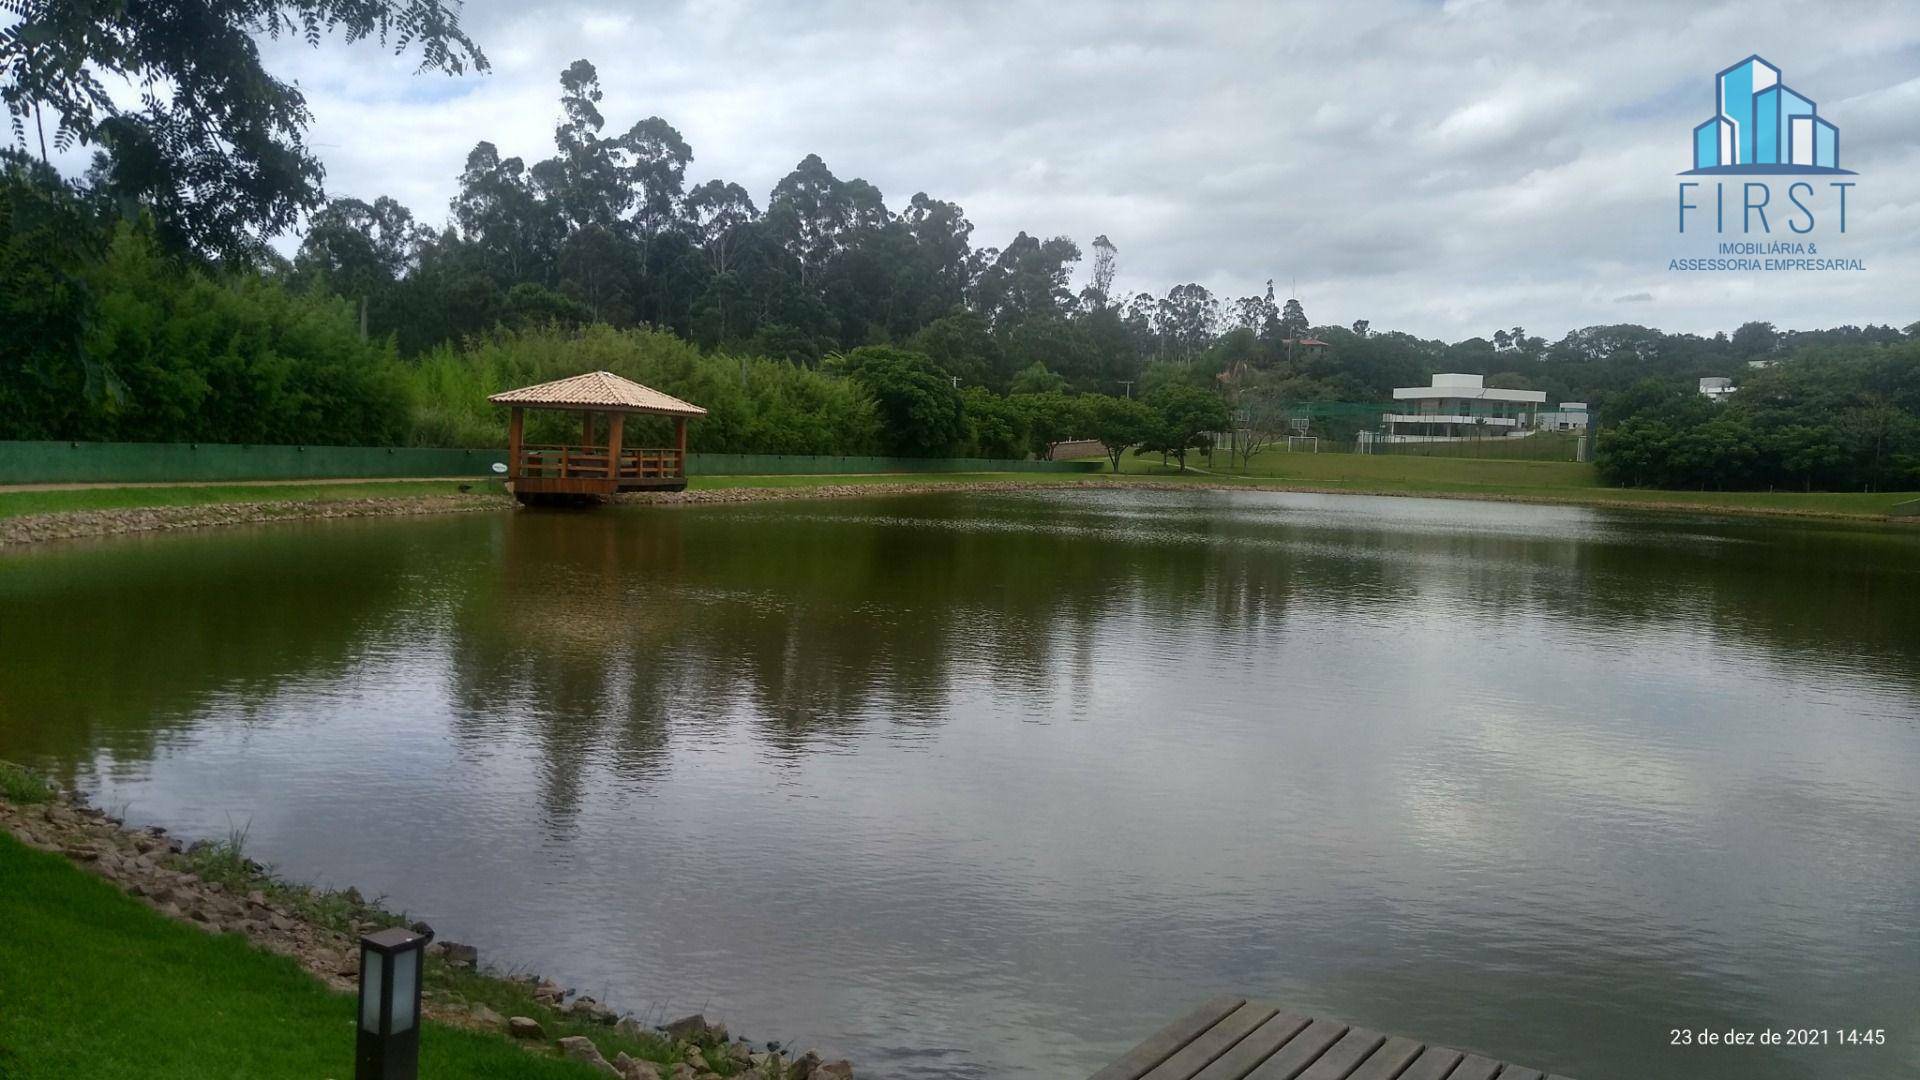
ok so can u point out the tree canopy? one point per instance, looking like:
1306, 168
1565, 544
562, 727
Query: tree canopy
214, 149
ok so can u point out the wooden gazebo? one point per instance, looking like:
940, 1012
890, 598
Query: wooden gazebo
594, 469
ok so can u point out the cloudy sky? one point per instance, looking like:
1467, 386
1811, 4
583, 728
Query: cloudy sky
1444, 168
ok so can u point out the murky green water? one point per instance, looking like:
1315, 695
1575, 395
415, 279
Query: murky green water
991, 786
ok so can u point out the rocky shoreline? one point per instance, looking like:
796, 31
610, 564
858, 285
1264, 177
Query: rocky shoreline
79, 524
214, 888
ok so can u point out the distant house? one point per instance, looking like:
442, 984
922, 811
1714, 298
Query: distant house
1715, 388
1460, 407
1570, 416
1308, 346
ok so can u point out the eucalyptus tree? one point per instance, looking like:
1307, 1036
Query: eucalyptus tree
1187, 320
811, 210
1029, 279
499, 211
717, 214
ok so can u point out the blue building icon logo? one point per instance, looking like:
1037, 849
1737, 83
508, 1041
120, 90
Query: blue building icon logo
1763, 126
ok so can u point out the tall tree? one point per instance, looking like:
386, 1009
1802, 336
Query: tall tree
810, 210
1099, 291
718, 212
1293, 320
214, 145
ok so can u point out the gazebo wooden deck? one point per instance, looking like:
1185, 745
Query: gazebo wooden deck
1231, 1038
593, 469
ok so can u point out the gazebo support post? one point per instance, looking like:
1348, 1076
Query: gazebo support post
516, 423
586, 430
680, 442
616, 424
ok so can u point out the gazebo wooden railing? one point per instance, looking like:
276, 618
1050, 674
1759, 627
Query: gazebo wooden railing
593, 468
590, 462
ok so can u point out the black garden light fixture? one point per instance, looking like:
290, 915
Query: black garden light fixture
389, 1042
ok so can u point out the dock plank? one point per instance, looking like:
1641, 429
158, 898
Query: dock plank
1255, 1048
1164, 1043
1301, 1051
1434, 1063
1231, 1038
1356, 1046
1216, 1040
1389, 1061
1475, 1067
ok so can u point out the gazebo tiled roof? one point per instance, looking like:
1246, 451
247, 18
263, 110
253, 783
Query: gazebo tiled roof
600, 391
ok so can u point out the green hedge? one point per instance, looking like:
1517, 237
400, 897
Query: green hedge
133, 463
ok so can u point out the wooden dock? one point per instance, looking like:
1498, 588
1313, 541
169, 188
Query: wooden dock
1231, 1038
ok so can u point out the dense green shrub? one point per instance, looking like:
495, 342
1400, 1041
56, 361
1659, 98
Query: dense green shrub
753, 405
133, 346
1824, 418
921, 412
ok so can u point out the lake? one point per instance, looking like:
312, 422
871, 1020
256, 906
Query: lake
992, 785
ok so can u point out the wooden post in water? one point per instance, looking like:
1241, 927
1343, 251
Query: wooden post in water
515, 424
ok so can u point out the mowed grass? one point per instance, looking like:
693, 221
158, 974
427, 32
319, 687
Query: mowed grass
93, 986
1361, 474
1569, 482
810, 480
61, 500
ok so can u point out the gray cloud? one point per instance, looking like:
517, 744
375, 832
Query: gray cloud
1441, 168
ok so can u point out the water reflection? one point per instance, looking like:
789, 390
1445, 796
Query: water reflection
984, 786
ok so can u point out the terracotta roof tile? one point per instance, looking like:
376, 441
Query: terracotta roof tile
597, 390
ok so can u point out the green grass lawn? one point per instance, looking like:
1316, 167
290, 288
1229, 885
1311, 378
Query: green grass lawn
1492, 478
93, 986
1361, 474
48, 501
834, 479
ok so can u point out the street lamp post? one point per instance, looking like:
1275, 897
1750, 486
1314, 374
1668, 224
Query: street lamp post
388, 1047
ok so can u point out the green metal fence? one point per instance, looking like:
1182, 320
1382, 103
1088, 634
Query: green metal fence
135, 463
772, 464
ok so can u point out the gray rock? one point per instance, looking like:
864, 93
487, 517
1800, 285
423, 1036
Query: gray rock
689, 1028
525, 1027
632, 1068
580, 1048
838, 1070
485, 1015
585, 1008
459, 955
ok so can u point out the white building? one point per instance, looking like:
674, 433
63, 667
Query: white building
1570, 416
1716, 389
1460, 407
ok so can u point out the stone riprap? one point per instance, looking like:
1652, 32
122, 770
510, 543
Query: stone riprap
156, 868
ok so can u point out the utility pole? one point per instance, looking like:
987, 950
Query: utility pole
1128, 383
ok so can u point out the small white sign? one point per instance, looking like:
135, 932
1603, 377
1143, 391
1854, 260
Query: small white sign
500, 467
